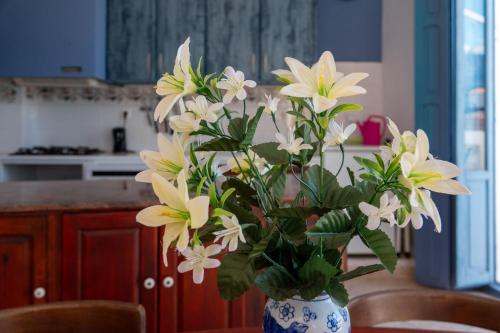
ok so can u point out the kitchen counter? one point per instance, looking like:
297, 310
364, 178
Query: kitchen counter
43, 196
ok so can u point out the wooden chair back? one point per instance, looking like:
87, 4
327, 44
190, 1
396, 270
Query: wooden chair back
401, 305
75, 317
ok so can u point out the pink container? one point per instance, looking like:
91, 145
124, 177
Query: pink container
373, 129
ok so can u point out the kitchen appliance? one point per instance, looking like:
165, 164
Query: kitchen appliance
58, 150
373, 129
120, 137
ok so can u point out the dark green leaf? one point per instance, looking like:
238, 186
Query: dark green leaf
334, 227
312, 179
243, 215
252, 127
338, 293
315, 275
235, 276
245, 191
352, 177
277, 182
275, 284
237, 127
219, 144
342, 197
269, 151
381, 245
293, 212
362, 270
370, 166
293, 230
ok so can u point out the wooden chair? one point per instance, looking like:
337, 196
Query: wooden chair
401, 305
75, 317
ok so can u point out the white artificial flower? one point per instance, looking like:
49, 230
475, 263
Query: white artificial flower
203, 110
385, 211
337, 135
185, 122
234, 83
197, 260
231, 234
401, 142
285, 75
271, 104
175, 86
168, 162
177, 213
291, 145
322, 83
416, 217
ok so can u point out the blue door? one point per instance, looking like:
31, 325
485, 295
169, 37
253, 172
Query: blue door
454, 104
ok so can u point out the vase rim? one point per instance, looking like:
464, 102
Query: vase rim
320, 298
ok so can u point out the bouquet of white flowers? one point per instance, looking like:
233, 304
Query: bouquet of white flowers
296, 248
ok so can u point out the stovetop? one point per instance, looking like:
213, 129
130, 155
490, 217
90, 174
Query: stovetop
58, 150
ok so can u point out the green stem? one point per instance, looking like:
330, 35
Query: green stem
303, 183
321, 170
239, 166
342, 160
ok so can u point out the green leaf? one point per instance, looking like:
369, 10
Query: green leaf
342, 197
346, 108
259, 248
212, 193
219, 144
245, 191
237, 127
315, 275
235, 276
243, 215
252, 127
352, 177
275, 284
312, 179
370, 166
293, 212
277, 182
269, 151
293, 230
192, 155
338, 293
362, 270
381, 245
334, 227
226, 195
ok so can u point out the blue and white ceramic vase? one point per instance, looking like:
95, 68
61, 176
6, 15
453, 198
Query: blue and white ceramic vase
295, 315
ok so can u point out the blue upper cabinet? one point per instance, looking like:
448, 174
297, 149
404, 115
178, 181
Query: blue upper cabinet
350, 29
52, 38
288, 29
177, 20
233, 36
131, 55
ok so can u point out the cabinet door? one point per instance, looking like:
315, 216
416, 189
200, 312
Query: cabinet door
177, 20
233, 36
130, 42
288, 30
110, 256
23, 261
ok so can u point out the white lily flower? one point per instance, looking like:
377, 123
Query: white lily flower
420, 172
185, 122
231, 234
197, 260
285, 75
401, 142
385, 211
270, 105
234, 84
175, 86
177, 213
168, 162
322, 83
291, 145
201, 108
337, 135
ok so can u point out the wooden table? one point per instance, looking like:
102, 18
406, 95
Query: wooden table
354, 330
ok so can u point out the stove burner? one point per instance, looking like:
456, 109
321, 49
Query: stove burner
58, 150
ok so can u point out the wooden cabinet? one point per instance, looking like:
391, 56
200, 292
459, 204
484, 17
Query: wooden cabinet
23, 261
131, 41
288, 30
110, 256
175, 21
232, 36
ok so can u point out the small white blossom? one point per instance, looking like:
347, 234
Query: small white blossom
231, 234
234, 84
291, 145
271, 104
337, 135
385, 211
197, 260
201, 108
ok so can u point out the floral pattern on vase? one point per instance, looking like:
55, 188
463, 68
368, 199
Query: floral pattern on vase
296, 315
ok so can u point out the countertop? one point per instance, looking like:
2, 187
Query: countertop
69, 159
74, 195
